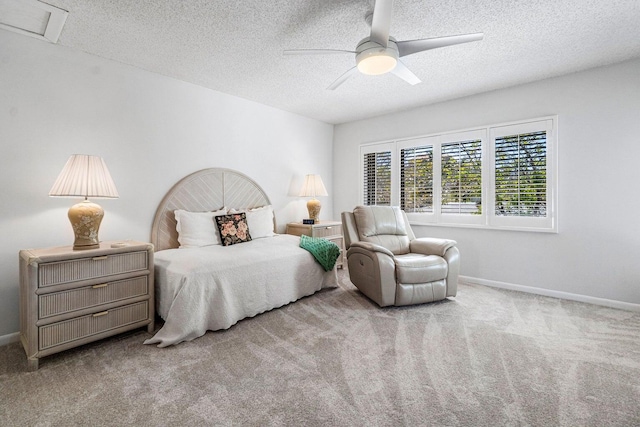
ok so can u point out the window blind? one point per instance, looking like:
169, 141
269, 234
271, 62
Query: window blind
461, 178
521, 175
416, 179
377, 178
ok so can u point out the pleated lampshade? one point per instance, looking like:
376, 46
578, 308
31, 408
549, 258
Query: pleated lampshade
84, 176
313, 186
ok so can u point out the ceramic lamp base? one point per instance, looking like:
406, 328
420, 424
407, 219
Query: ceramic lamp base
313, 206
85, 220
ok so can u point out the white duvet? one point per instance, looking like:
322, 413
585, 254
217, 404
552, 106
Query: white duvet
213, 287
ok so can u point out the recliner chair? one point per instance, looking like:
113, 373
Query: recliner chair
390, 265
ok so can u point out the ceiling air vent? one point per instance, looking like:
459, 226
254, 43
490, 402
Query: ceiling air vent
32, 18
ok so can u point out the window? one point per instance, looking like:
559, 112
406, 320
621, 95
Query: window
462, 178
500, 176
522, 191
376, 169
520, 175
416, 179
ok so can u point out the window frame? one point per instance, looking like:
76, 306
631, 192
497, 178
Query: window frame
548, 223
487, 135
458, 219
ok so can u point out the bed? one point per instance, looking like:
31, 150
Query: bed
201, 287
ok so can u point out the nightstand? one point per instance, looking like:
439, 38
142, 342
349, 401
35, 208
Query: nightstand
330, 230
73, 297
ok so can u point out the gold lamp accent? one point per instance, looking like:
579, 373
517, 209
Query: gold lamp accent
313, 186
85, 176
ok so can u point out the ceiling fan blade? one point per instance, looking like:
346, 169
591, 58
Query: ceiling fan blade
342, 78
315, 51
381, 21
405, 74
409, 47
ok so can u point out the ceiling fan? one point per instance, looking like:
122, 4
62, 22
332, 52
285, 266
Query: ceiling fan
380, 54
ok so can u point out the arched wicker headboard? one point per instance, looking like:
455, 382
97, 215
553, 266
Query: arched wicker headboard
202, 191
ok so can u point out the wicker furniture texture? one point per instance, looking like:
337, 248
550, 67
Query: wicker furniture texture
69, 298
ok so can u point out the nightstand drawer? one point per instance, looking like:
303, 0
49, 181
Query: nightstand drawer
338, 240
90, 296
85, 326
55, 273
326, 230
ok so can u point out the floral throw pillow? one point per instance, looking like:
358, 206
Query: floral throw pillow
233, 228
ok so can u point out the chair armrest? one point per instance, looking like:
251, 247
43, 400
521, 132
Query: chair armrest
372, 247
431, 246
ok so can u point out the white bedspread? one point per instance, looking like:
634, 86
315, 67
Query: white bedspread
213, 287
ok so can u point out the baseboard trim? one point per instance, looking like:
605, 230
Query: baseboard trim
9, 338
551, 293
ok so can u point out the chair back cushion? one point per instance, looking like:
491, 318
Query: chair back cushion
384, 226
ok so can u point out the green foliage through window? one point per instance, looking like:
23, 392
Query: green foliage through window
416, 179
521, 175
462, 178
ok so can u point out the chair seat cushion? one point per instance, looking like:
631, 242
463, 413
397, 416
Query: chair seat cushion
417, 268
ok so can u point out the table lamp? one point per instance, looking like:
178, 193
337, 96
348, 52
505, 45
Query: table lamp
313, 186
85, 176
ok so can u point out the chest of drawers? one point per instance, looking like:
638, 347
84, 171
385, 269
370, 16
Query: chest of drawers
69, 298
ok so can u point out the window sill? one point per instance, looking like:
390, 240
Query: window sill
485, 227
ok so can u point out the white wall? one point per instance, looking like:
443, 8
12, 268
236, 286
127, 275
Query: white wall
597, 250
151, 130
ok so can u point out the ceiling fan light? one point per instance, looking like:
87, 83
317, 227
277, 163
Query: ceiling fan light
376, 64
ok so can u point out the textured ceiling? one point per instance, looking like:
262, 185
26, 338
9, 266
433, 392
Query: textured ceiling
235, 46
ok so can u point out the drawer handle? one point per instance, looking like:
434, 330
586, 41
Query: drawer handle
104, 285
100, 258
102, 313
328, 228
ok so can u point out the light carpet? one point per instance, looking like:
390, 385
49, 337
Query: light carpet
488, 357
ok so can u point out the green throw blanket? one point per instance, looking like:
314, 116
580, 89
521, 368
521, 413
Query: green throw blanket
323, 250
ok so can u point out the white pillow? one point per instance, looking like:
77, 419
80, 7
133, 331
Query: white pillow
196, 229
259, 220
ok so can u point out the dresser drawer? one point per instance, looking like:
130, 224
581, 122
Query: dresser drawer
85, 326
55, 273
326, 231
91, 296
